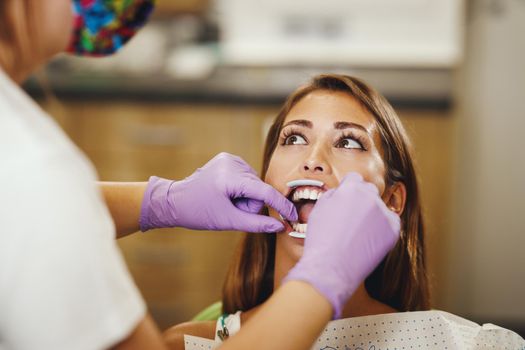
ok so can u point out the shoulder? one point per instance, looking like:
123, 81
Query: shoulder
174, 336
31, 141
45, 177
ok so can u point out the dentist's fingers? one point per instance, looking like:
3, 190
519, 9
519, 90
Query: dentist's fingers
362, 232
258, 190
257, 223
249, 205
327, 194
354, 178
238, 161
217, 196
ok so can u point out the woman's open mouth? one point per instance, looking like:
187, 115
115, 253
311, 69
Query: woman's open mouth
304, 194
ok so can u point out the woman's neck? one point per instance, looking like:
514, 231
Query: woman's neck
362, 304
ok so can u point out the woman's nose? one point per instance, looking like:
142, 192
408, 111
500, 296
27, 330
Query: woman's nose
313, 167
316, 163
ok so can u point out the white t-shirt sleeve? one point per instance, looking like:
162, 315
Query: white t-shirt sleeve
63, 282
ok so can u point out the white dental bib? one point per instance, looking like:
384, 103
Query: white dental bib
404, 330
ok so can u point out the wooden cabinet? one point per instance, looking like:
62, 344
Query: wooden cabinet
433, 134
181, 272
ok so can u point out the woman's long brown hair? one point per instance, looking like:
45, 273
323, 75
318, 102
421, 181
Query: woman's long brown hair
400, 280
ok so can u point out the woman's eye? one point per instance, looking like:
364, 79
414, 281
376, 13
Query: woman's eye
295, 140
349, 143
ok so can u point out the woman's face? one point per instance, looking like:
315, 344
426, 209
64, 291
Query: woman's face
325, 136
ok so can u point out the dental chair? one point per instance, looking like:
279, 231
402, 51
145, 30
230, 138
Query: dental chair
210, 313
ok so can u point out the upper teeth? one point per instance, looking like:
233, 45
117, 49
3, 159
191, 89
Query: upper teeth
310, 194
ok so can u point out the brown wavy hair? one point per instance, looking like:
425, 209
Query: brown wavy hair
400, 280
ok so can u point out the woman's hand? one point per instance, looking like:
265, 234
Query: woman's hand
350, 230
225, 194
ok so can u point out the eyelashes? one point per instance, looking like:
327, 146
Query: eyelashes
292, 136
355, 137
288, 134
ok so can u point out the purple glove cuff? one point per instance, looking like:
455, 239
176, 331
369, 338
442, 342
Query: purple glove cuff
145, 207
148, 218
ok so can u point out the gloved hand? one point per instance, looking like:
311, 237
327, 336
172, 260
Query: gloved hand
225, 194
350, 230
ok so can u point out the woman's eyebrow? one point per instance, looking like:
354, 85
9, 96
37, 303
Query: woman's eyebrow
300, 122
346, 125
337, 125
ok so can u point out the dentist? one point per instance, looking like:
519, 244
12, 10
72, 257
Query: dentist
63, 282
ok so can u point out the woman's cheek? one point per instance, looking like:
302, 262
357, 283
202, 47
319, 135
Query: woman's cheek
371, 170
280, 164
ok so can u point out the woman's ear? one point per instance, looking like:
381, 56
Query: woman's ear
395, 197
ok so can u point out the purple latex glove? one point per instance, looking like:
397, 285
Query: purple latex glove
225, 194
350, 230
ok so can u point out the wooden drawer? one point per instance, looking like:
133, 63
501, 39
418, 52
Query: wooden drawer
167, 140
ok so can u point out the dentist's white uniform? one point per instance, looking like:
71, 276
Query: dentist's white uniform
63, 283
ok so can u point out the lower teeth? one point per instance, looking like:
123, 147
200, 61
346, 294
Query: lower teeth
299, 230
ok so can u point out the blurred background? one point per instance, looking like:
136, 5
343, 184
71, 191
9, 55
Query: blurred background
207, 76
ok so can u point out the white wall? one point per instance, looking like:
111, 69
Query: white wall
486, 250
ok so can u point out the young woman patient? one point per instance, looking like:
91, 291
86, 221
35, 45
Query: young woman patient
334, 125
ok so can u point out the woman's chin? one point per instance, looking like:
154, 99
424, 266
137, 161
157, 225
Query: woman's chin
292, 246
296, 248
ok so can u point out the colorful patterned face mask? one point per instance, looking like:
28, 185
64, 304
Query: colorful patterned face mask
102, 27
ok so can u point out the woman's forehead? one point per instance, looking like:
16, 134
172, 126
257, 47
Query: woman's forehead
328, 107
